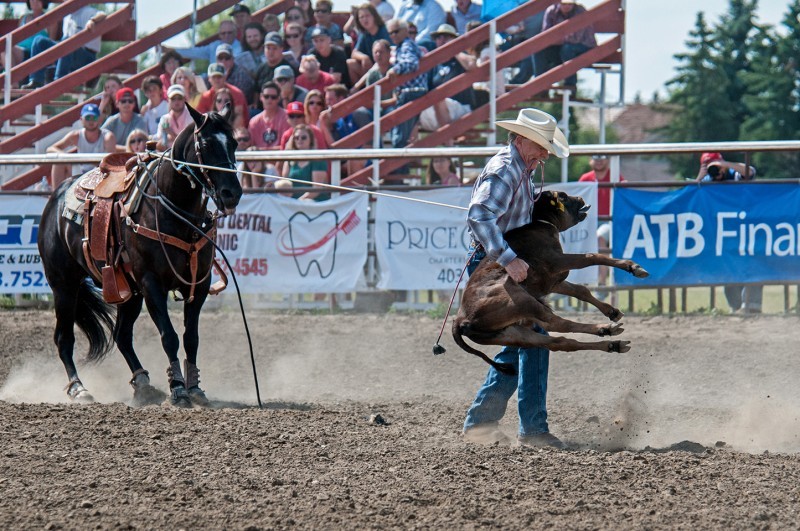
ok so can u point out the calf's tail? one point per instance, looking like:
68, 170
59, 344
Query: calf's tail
460, 329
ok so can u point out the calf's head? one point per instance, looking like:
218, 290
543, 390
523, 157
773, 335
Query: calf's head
560, 209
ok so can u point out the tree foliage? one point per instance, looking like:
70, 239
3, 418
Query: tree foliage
739, 81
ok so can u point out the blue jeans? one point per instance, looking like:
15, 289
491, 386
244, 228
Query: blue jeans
65, 65
552, 56
532, 365
402, 132
744, 297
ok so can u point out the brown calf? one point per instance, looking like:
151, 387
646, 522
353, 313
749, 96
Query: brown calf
495, 310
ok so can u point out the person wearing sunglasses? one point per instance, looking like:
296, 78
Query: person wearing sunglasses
234, 74
311, 76
407, 58
267, 127
310, 171
323, 16
295, 47
226, 34
223, 97
314, 105
90, 138
296, 114
216, 78
284, 78
127, 119
136, 142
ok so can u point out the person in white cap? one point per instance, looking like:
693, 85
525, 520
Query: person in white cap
176, 119
503, 199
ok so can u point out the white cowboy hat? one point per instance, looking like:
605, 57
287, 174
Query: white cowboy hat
540, 128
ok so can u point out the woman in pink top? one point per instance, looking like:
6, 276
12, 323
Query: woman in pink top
441, 170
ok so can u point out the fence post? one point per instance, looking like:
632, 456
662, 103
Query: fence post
376, 133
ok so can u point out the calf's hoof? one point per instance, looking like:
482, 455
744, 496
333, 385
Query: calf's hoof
619, 346
198, 397
179, 397
615, 314
639, 272
614, 329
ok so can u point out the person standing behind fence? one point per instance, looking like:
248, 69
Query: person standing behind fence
601, 174
90, 138
714, 168
502, 200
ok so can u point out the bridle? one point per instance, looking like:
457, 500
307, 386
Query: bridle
206, 184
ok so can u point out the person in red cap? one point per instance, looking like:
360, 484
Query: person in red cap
296, 113
741, 298
714, 168
127, 119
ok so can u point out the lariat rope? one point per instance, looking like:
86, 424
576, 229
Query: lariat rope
325, 185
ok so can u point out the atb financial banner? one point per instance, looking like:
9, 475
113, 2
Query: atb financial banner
711, 234
421, 246
281, 245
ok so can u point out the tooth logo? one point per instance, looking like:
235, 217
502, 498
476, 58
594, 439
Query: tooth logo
312, 241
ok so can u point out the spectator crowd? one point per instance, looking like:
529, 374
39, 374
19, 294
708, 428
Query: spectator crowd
281, 76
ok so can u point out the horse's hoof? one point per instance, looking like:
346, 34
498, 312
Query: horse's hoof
619, 346
614, 329
78, 393
179, 397
147, 395
198, 397
640, 272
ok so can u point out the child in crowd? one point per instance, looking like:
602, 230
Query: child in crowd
156, 105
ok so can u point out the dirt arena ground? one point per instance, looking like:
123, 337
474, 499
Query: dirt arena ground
696, 428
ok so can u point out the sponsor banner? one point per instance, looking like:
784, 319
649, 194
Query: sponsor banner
277, 244
21, 268
423, 246
709, 234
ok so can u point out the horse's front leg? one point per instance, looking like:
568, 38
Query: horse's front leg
143, 392
582, 293
568, 262
191, 344
155, 297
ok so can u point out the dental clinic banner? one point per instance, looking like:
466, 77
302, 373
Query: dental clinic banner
422, 246
21, 268
709, 234
277, 244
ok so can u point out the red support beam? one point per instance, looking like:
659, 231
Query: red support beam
55, 15
29, 178
51, 55
505, 101
539, 42
28, 102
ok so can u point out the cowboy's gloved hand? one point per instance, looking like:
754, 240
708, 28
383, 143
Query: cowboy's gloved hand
517, 269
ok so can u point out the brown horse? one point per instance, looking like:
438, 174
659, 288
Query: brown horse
495, 310
163, 248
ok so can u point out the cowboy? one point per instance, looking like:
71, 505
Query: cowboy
502, 200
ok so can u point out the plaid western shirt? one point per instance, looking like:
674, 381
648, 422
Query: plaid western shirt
406, 60
502, 200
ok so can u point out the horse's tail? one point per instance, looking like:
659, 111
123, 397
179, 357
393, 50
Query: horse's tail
96, 319
462, 328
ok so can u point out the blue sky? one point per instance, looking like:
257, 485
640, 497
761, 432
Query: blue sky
656, 30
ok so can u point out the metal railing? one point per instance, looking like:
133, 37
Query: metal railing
614, 151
